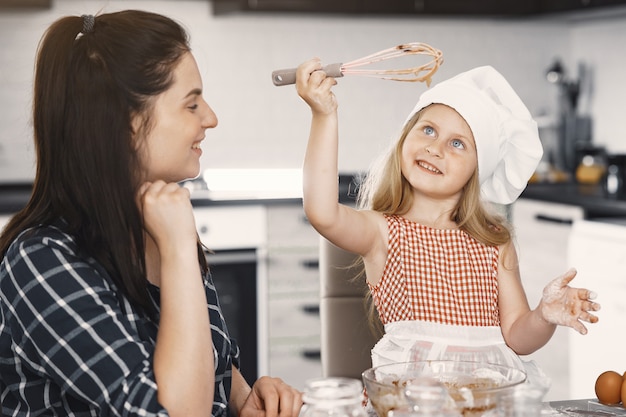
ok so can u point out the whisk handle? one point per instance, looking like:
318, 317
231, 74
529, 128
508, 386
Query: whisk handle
288, 76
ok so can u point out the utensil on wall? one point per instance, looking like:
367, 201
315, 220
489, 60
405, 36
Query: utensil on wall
419, 73
575, 125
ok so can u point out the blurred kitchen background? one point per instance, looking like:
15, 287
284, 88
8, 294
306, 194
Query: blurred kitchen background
564, 57
238, 50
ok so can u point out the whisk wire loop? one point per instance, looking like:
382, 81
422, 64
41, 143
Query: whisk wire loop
420, 73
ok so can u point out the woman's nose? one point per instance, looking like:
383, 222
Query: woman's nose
210, 118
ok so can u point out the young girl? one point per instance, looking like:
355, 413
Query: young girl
442, 269
107, 307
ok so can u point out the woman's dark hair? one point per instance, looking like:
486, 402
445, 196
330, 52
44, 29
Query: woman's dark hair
90, 81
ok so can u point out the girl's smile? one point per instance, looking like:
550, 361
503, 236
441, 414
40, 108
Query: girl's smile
439, 153
428, 167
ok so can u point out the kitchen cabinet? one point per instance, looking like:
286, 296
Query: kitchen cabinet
25, 4
413, 7
294, 295
598, 248
542, 232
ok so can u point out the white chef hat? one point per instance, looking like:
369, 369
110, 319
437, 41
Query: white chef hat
506, 136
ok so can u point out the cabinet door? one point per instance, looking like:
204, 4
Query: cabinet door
542, 232
289, 228
599, 251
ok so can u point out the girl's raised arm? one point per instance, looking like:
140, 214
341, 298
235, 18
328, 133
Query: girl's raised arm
350, 229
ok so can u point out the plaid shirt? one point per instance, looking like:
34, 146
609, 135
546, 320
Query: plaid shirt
72, 345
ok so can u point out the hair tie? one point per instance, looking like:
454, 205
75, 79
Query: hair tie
88, 22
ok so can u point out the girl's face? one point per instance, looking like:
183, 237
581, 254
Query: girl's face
439, 153
171, 149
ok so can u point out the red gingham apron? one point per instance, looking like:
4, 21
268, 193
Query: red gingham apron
438, 297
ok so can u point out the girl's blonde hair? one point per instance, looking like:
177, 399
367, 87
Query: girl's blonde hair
385, 190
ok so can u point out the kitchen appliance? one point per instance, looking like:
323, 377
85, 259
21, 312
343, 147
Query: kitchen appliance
614, 181
234, 275
574, 125
236, 236
591, 164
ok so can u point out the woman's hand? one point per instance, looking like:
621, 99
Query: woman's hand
271, 397
167, 213
567, 306
314, 87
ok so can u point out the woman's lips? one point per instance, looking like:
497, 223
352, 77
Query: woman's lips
196, 147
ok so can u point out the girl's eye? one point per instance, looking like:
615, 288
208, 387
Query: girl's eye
456, 143
193, 106
429, 131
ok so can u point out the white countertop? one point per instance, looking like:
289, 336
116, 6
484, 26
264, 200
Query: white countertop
247, 184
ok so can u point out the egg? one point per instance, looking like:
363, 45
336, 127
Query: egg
609, 387
623, 390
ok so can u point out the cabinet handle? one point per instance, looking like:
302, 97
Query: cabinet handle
315, 354
311, 308
552, 219
311, 264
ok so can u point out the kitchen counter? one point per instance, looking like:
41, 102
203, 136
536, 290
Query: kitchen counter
581, 408
591, 198
15, 196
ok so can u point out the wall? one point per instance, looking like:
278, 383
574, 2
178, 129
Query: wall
266, 126
601, 44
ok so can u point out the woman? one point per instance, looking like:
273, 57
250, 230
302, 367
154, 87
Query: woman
103, 284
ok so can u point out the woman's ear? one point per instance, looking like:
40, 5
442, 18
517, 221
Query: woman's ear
138, 130
136, 121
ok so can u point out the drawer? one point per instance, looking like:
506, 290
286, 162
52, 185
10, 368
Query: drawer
218, 231
294, 272
294, 366
288, 227
292, 318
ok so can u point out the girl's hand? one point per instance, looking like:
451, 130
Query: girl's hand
167, 213
271, 397
567, 306
314, 87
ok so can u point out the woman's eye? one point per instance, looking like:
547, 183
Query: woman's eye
429, 130
456, 143
193, 106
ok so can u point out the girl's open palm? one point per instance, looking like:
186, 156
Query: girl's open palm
567, 306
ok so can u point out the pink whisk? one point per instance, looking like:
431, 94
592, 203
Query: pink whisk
420, 73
